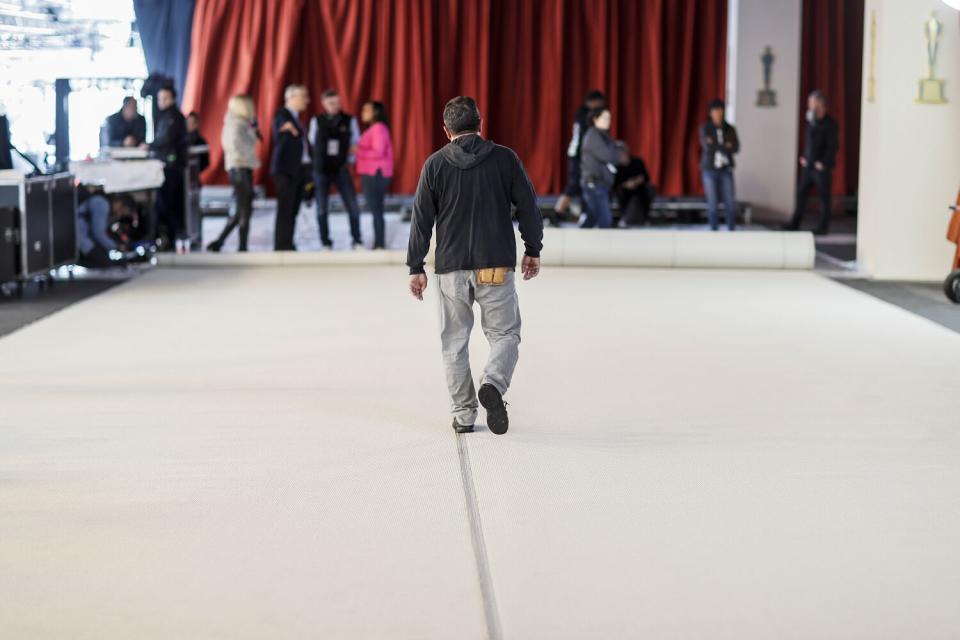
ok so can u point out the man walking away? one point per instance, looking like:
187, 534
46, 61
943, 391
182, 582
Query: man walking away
817, 161
467, 189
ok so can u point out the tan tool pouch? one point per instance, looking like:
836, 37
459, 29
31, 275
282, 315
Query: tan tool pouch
493, 276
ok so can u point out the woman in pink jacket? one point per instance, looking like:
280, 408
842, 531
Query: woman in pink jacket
375, 164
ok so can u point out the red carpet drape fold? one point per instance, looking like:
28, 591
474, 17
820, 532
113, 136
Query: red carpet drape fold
832, 61
528, 63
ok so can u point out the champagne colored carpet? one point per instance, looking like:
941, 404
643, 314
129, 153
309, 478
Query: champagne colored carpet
266, 452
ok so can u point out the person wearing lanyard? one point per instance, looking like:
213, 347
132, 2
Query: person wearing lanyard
335, 134
718, 141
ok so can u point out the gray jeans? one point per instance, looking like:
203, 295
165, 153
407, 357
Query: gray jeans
500, 319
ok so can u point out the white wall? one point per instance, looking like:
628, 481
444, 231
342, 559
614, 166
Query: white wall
909, 152
767, 164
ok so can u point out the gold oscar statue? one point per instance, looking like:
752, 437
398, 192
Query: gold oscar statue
931, 87
767, 97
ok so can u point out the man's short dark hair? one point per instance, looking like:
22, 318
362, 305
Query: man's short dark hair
173, 92
594, 95
716, 103
193, 114
329, 93
128, 100
817, 94
461, 115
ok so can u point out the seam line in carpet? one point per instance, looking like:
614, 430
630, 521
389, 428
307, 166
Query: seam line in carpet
490, 611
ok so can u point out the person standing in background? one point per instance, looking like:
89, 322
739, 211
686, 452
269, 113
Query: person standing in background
170, 145
821, 143
125, 128
593, 100
718, 143
290, 163
334, 135
599, 156
6, 159
632, 188
375, 165
239, 138
195, 139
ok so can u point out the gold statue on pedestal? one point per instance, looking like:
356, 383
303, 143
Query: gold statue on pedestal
767, 97
931, 87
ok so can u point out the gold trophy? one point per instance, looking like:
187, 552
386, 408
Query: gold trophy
931, 88
767, 97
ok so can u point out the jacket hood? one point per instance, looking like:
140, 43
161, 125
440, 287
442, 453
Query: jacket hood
467, 152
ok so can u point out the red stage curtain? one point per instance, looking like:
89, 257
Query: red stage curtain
528, 63
832, 61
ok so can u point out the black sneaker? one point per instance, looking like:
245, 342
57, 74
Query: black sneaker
496, 408
459, 428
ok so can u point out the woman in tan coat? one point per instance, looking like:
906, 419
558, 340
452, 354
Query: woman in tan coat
239, 139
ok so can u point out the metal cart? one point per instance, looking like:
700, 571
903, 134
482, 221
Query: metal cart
45, 235
951, 286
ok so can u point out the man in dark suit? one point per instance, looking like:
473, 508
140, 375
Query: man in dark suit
290, 163
817, 161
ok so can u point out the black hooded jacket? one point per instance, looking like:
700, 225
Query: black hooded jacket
170, 137
821, 142
467, 189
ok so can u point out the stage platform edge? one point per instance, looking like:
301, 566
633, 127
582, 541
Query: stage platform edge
575, 248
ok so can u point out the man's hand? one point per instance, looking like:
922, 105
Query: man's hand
530, 267
289, 127
818, 166
803, 161
418, 284
129, 141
